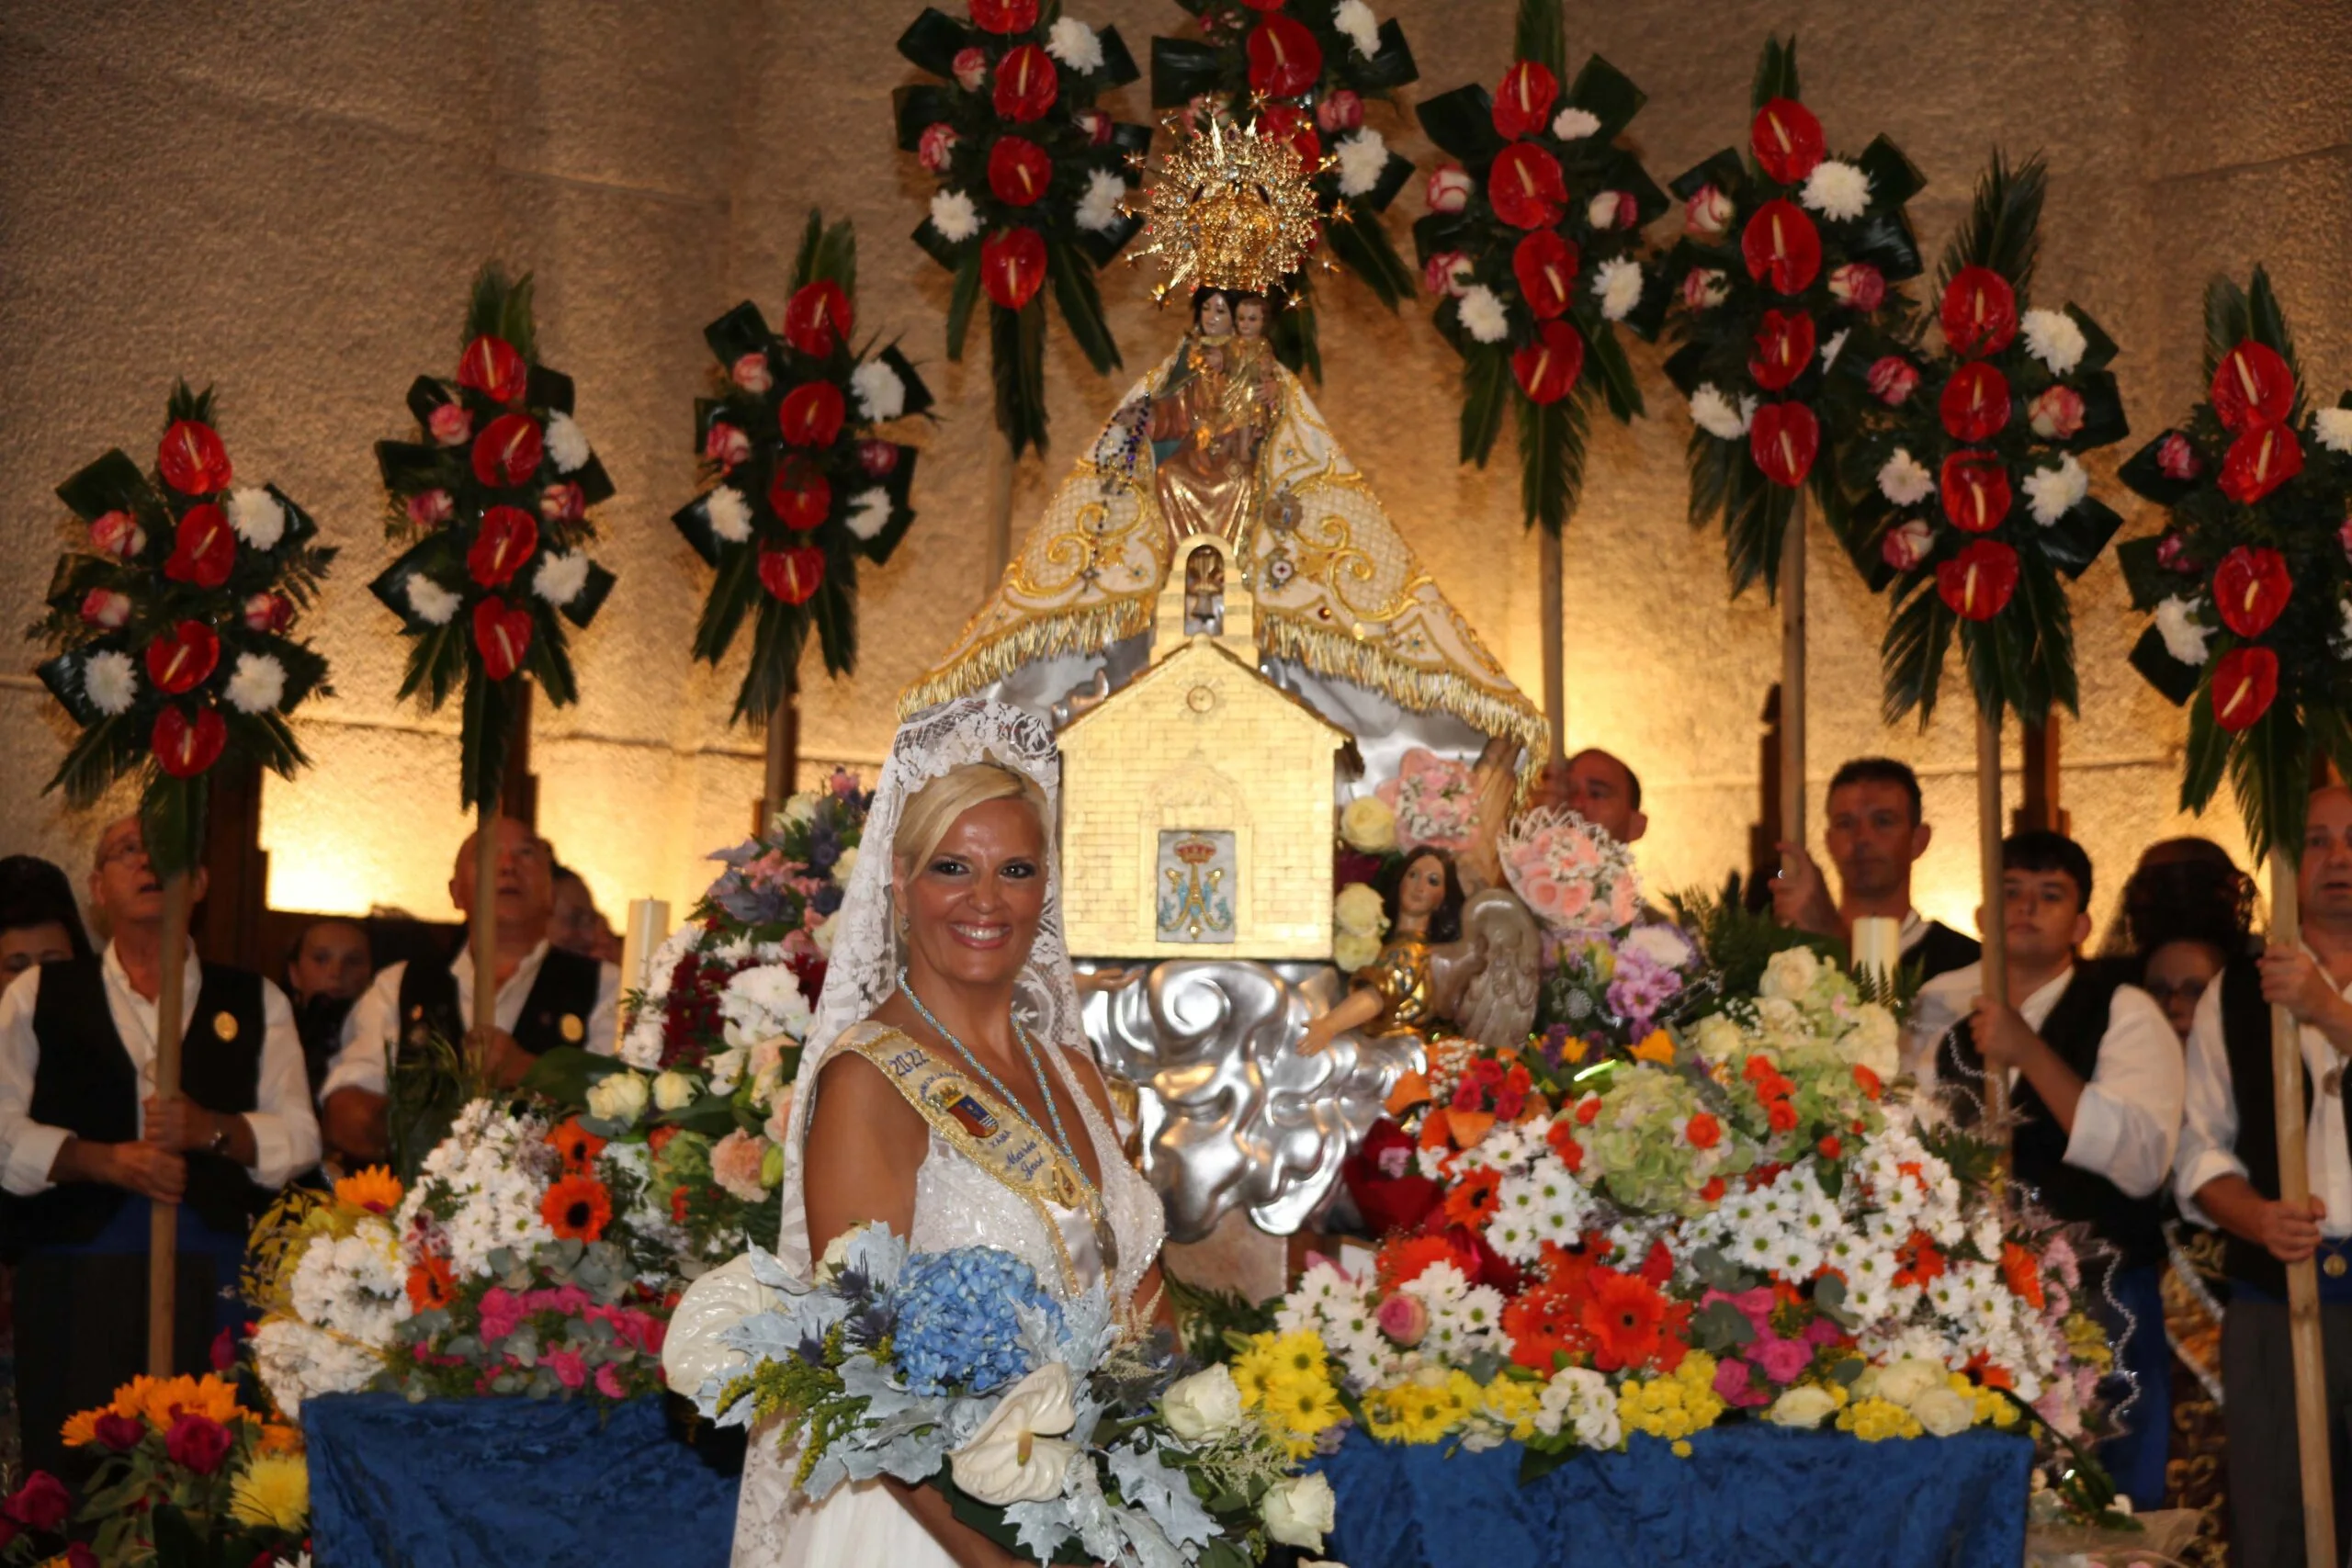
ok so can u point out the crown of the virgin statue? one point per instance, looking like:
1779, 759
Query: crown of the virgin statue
1231, 208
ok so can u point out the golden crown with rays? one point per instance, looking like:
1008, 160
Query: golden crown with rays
1231, 208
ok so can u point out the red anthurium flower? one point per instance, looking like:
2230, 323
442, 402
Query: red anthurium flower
193, 460
792, 575
489, 366
1523, 103
1980, 312
1975, 402
507, 452
1547, 370
204, 549
800, 495
2250, 590
2259, 461
1526, 188
1977, 582
1013, 266
1284, 59
811, 415
1783, 349
1784, 438
817, 317
503, 635
1280, 122
1787, 139
2252, 386
508, 536
1975, 487
2245, 683
1019, 170
185, 747
181, 659
1026, 84
1003, 17
1545, 265
1782, 247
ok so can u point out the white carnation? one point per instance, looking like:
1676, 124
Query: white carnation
566, 444
431, 603
729, 514
109, 681
762, 1002
1074, 43
560, 578
1483, 316
953, 214
2056, 491
1361, 158
1575, 124
1617, 284
880, 394
1836, 190
257, 518
2052, 337
869, 512
258, 684
2185, 637
1904, 481
1354, 18
1714, 412
1098, 209
2333, 428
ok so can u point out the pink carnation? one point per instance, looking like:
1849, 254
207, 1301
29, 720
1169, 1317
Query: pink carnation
608, 1381
501, 1313
570, 1370
1782, 1359
1732, 1383
735, 1165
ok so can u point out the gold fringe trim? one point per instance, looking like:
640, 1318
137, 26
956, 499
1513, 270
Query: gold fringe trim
993, 659
1348, 658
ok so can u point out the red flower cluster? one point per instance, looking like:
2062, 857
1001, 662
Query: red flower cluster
1979, 314
2252, 393
1772, 1093
1586, 1311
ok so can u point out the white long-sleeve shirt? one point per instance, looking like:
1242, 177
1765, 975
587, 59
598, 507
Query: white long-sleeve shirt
2209, 1133
286, 1131
373, 1026
2127, 1124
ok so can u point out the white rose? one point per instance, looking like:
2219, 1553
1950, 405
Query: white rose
109, 681
801, 807
823, 935
2052, 337
2185, 637
1802, 1404
1075, 44
258, 684
1203, 1405
1943, 1409
953, 214
1367, 823
1299, 1511
1018, 1456
1902, 1382
880, 393
730, 513
1575, 124
560, 578
257, 518
1363, 159
1836, 190
836, 1258
1617, 284
1352, 952
1098, 209
1357, 910
1791, 973
617, 1097
674, 1092
2056, 491
846, 864
1483, 316
1718, 1039
1904, 480
566, 444
1874, 1041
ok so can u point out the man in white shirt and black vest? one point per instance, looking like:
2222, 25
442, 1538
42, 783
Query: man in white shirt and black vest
2095, 1083
2229, 1174
546, 997
87, 1147
1877, 829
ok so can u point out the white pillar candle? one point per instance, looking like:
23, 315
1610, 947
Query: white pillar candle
1877, 950
648, 927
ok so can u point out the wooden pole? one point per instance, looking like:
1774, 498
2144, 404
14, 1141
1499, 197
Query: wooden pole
781, 763
1992, 919
162, 1236
1001, 464
484, 932
1555, 689
1793, 785
2295, 1191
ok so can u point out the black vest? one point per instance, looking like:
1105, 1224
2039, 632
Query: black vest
2134, 1226
2245, 1036
563, 999
86, 1083
1941, 950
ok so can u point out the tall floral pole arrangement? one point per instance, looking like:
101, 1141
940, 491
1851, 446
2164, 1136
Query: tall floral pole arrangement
1970, 503
1786, 298
490, 505
1303, 70
2251, 587
801, 483
173, 623
1533, 237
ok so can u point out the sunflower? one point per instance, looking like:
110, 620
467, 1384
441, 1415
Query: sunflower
577, 1208
431, 1284
376, 1189
275, 1490
1624, 1315
578, 1146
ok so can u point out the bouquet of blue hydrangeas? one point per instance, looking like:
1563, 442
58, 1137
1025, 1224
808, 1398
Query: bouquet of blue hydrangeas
1050, 1428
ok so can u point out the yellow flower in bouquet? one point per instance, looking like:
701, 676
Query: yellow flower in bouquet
1514, 1402
1874, 1419
1675, 1405
275, 1490
1287, 1376
1422, 1410
376, 1189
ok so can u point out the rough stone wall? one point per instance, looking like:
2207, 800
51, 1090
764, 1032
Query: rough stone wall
288, 198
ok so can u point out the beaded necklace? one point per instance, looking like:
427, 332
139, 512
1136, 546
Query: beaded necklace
1029, 1050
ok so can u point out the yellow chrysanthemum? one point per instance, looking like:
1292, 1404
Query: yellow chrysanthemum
1514, 1402
1673, 1406
376, 1189
275, 1490
1411, 1412
1875, 1419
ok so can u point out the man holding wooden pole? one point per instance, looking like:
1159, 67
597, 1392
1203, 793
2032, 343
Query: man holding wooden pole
2281, 1188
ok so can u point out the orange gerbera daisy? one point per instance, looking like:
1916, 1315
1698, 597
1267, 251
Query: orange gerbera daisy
1472, 1202
2022, 1270
376, 1189
1541, 1323
431, 1284
1624, 1315
576, 1144
577, 1208
1408, 1257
